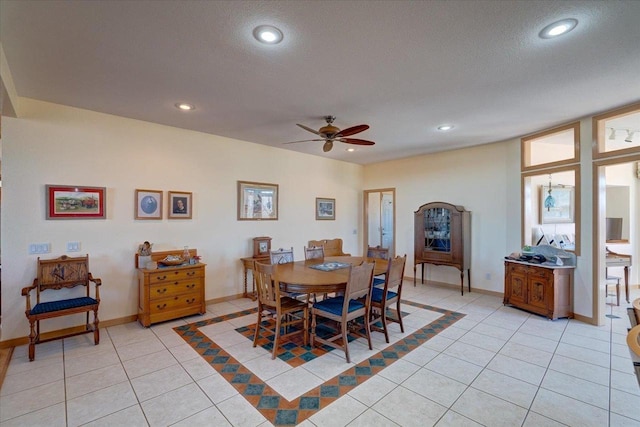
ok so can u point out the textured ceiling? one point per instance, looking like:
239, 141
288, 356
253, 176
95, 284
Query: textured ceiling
402, 67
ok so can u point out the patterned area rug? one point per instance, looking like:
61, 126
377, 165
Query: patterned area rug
270, 403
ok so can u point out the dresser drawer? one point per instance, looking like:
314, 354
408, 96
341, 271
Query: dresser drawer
175, 287
173, 303
174, 275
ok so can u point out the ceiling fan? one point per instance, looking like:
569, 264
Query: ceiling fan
330, 133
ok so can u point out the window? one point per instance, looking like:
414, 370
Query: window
617, 132
554, 147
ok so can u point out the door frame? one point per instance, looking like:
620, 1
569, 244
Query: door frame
365, 222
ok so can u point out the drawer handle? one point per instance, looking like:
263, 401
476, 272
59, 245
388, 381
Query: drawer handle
191, 286
160, 307
161, 278
161, 291
190, 273
191, 301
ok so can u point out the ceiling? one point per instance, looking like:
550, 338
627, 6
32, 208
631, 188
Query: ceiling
403, 68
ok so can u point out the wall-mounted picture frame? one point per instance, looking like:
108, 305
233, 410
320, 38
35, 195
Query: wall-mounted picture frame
179, 205
563, 209
76, 202
325, 208
148, 204
257, 201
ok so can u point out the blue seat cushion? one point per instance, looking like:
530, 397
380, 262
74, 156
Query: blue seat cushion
376, 295
48, 307
334, 305
378, 281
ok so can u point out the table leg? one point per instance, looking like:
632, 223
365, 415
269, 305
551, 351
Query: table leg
626, 282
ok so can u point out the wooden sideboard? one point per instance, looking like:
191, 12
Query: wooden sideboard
168, 293
544, 290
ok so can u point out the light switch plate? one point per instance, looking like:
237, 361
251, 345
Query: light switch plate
73, 246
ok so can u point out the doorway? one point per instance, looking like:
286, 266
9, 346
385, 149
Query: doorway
380, 219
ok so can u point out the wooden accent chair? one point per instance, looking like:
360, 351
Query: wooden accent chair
381, 299
355, 303
55, 274
281, 256
313, 252
379, 253
286, 310
633, 337
332, 247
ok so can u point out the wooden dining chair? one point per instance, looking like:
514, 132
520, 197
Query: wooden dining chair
314, 252
383, 298
378, 252
287, 311
355, 303
281, 256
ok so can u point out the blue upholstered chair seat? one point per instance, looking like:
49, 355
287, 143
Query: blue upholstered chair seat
377, 281
376, 294
334, 305
48, 307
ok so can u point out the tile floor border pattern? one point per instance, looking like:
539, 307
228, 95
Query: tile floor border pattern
275, 407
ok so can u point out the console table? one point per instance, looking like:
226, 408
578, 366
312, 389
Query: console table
247, 265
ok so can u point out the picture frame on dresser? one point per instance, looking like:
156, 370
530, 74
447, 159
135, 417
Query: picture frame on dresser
179, 205
257, 201
75, 202
148, 204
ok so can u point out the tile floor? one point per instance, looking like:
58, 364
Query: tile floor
495, 366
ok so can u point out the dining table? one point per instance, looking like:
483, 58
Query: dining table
301, 276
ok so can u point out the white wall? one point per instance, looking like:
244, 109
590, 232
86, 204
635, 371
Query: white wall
483, 180
53, 144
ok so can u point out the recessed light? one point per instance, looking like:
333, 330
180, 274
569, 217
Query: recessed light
185, 107
268, 34
445, 128
350, 150
558, 28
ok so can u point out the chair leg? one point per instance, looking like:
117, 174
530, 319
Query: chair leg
305, 333
399, 314
618, 291
276, 336
383, 311
96, 328
367, 329
255, 336
32, 341
345, 341
313, 329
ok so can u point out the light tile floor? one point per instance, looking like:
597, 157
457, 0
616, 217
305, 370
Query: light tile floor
496, 366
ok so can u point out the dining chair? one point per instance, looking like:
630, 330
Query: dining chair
382, 298
314, 252
281, 256
286, 310
355, 303
378, 252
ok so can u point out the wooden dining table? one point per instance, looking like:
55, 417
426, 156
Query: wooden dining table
300, 277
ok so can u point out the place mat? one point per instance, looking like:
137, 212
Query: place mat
330, 266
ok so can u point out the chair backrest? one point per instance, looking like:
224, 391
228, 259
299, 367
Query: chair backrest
377, 252
314, 252
268, 293
281, 256
332, 247
62, 272
360, 282
395, 273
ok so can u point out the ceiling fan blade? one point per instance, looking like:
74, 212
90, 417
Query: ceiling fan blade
327, 146
308, 129
357, 141
304, 140
352, 130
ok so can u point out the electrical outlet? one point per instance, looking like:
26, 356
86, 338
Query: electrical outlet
73, 246
39, 248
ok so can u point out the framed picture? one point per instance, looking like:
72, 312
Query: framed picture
257, 201
325, 208
179, 205
75, 202
561, 208
148, 204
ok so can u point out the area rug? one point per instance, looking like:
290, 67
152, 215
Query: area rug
277, 409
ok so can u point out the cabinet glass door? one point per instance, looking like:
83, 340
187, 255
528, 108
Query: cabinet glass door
437, 230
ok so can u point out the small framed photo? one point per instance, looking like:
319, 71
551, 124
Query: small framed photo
75, 202
179, 205
257, 201
325, 208
148, 204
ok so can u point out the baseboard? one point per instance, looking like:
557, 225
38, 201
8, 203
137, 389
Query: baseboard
5, 358
454, 286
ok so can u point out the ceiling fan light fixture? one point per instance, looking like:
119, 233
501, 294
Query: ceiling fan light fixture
558, 28
268, 34
445, 128
185, 106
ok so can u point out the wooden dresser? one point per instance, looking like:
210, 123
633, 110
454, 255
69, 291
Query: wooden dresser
168, 293
545, 290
